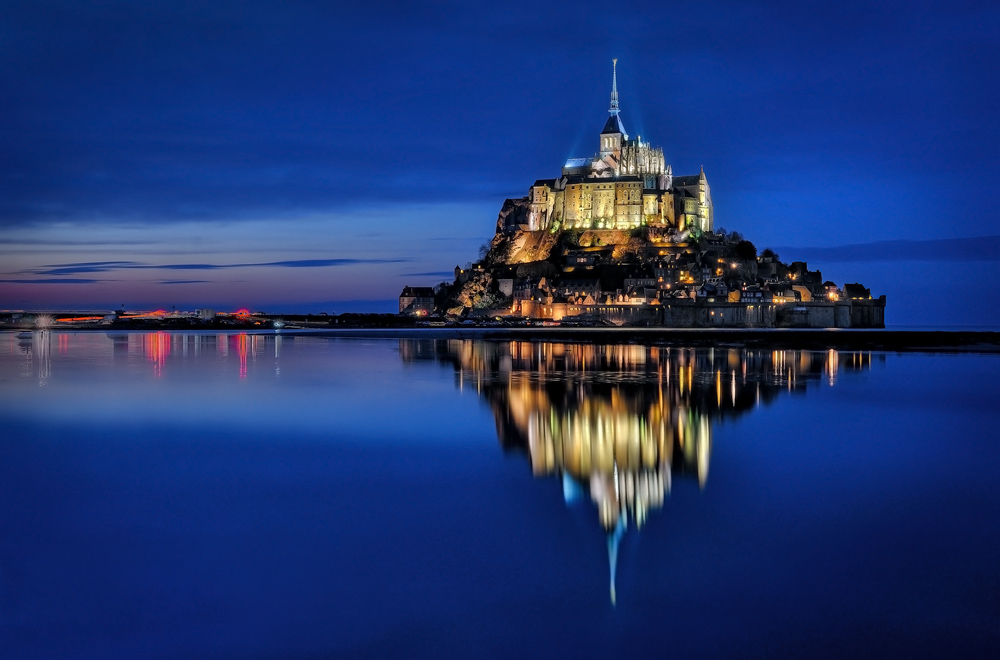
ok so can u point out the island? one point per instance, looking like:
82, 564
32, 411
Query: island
618, 240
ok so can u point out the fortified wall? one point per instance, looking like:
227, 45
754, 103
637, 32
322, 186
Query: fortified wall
687, 313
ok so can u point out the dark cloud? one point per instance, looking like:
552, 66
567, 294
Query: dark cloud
184, 266
185, 282
112, 266
434, 273
69, 280
982, 248
321, 263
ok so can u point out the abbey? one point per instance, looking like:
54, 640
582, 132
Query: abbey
627, 184
619, 240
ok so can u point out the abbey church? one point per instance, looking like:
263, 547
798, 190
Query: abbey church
627, 184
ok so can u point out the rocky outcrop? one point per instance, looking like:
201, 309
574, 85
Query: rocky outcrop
522, 247
513, 215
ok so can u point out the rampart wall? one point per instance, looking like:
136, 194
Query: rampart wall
682, 313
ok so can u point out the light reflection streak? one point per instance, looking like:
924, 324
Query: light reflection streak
163, 348
156, 346
241, 349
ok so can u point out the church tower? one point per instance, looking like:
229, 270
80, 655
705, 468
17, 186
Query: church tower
614, 133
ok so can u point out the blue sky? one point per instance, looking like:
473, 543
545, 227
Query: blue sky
234, 154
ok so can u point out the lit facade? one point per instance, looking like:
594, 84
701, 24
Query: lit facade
627, 184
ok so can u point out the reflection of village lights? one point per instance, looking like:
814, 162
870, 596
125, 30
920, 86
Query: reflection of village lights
832, 366
610, 421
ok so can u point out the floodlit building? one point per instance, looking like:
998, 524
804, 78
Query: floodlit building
416, 300
625, 185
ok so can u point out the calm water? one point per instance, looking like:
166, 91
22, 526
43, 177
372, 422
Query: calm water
233, 496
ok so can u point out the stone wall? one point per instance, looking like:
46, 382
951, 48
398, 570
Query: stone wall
868, 313
683, 313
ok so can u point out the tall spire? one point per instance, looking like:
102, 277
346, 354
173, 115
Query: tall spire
614, 87
614, 124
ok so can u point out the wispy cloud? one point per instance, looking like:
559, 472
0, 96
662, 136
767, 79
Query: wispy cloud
184, 282
81, 267
112, 266
55, 242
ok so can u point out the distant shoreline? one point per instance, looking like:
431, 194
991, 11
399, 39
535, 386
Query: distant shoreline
927, 341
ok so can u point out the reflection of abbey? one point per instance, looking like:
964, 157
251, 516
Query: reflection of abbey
627, 184
619, 423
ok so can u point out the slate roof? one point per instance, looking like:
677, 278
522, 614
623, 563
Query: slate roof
417, 292
614, 125
680, 181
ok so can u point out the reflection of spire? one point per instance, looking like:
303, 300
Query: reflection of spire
614, 539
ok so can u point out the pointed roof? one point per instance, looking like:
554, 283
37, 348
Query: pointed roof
614, 125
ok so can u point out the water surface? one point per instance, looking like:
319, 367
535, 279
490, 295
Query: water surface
262, 496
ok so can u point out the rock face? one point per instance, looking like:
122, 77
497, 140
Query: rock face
521, 247
513, 215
